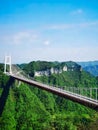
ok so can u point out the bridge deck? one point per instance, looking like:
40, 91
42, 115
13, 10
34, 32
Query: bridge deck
91, 103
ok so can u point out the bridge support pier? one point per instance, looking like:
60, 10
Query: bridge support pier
7, 61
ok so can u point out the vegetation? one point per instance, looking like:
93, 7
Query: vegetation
24, 107
43, 65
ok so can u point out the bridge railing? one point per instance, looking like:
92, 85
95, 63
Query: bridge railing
88, 92
91, 93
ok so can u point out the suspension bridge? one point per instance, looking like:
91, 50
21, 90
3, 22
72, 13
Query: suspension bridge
85, 96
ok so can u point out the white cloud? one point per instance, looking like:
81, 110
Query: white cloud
73, 25
24, 37
47, 42
61, 26
77, 12
89, 24
19, 38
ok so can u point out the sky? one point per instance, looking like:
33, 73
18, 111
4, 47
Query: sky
49, 30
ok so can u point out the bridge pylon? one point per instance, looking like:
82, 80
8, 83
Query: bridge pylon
7, 62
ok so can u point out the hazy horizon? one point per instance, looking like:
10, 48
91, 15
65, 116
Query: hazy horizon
49, 61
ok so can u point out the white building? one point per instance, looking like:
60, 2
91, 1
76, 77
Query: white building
38, 73
65, 68
50, 71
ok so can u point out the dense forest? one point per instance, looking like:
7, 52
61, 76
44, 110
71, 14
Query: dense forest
25, 107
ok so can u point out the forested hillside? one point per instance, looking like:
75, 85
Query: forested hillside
24, 107
34, 66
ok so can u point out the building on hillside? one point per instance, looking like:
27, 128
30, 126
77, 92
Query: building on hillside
42, 73
55, 70
52, 70
38, 73
65, 68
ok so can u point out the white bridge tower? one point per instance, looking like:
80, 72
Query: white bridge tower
7, 62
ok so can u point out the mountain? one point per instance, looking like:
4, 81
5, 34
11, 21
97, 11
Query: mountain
91, 66
88, 63
25, 107
47, 68
92, 69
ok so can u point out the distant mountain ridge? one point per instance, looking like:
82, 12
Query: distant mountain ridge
92, 69
88, 63
90, 66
